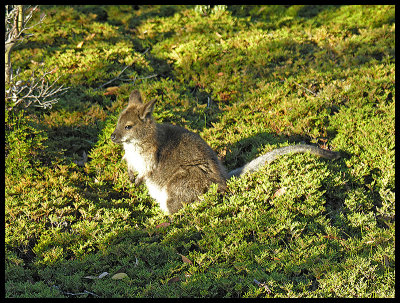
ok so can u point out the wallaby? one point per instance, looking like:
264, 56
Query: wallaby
175, 164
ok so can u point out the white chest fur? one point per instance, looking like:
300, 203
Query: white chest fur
142, 165
136, 160
159, 194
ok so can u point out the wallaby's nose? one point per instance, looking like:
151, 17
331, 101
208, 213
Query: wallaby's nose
112, 136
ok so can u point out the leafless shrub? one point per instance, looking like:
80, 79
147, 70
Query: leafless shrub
38, 89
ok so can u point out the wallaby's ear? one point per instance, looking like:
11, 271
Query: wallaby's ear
135, 98
147, 109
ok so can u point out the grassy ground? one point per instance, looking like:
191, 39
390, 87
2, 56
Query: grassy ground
248, 79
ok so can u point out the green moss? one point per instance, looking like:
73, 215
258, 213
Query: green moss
248, 79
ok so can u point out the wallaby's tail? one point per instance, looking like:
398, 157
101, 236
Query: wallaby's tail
272, 155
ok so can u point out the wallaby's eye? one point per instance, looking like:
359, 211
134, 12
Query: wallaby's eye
128, 127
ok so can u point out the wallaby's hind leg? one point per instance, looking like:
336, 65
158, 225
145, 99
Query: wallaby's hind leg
173, 205
185, 187
184, 191
180, 192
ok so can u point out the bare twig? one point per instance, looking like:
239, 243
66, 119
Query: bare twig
37, 89
309, 90
15, 33
302, 87
119, 75
112, 80
263, 285
148, 77
85, 292
133, 82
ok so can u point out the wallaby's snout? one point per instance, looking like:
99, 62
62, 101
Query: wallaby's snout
112, 137
116, 137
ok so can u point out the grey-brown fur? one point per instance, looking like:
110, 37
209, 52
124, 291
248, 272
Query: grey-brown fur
274, 154
175, 164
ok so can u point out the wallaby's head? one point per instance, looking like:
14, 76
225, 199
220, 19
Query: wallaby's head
135, 121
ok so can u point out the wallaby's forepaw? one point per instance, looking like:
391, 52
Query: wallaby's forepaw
132, 176
138, 181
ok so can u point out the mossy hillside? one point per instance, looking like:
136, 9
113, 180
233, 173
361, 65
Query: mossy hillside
248, 79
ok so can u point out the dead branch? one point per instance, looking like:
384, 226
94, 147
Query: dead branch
37, 89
